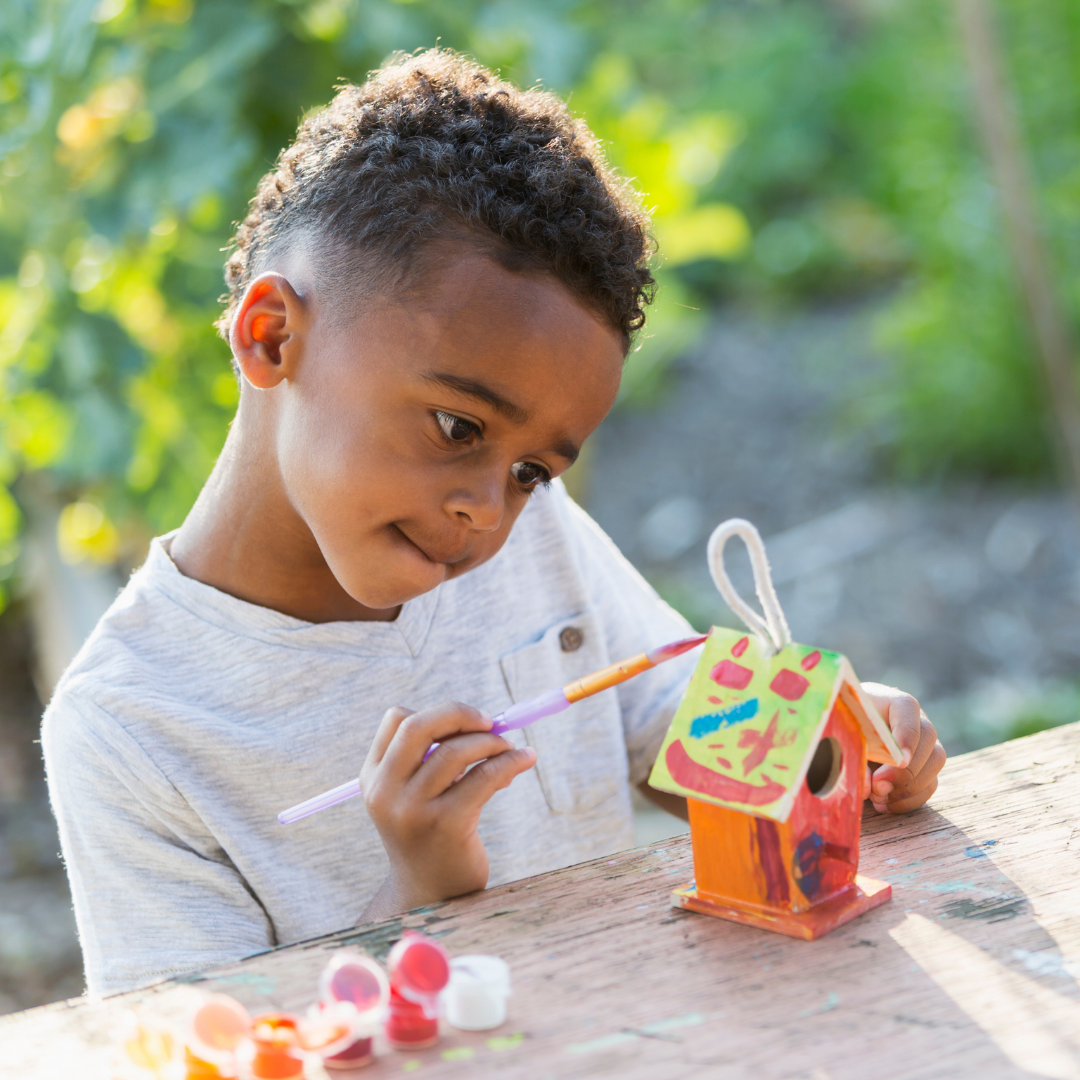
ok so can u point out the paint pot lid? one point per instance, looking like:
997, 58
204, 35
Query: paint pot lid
332, 1026
357, 979
217, 1029
419, 969
219, 1025
489, 973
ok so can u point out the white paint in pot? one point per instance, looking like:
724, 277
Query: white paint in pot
476, 997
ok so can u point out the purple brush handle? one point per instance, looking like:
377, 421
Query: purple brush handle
523, 713
517, 716
320, 802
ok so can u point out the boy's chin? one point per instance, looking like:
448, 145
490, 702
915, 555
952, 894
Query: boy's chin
391, 590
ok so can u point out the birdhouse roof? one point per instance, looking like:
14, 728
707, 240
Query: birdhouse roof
748, 725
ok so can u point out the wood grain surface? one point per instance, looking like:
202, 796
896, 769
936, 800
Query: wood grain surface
972, 970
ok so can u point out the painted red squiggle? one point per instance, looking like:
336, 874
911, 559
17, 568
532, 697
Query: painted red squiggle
762, 742
772, 862
689, 774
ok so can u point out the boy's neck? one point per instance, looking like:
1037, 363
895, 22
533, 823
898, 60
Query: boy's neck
245, 538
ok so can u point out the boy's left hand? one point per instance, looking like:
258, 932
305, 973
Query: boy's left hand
896, 789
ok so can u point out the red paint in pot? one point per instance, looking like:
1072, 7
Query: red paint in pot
407, 1028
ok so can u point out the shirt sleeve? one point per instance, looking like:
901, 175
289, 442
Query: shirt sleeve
635, 619
154, 894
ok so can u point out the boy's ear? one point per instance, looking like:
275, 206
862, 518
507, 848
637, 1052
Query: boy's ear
267, 330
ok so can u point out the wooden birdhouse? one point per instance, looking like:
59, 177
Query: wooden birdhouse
770, 745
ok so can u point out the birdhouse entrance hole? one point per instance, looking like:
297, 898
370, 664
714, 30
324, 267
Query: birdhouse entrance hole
825, 767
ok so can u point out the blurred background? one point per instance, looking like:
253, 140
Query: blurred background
868, 214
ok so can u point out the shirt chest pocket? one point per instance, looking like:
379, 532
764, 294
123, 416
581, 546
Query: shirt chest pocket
581, 753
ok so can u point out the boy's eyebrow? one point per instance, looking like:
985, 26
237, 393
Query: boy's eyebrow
515, 413
475, 389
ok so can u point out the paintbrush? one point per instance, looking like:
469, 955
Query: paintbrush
522, 714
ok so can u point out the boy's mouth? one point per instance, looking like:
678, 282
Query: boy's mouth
431, 553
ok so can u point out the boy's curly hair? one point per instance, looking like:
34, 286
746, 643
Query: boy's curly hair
434, 146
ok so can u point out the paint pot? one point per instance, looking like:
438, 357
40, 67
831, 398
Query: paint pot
195, 1068
419, 971
146, 1049
359, 982
408, 1027
476, 997
278, 1055
354, 1056
217, 1031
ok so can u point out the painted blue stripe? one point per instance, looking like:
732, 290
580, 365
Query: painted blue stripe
706, 725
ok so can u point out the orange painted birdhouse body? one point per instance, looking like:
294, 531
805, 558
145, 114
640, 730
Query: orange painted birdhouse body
797, 877
771, 752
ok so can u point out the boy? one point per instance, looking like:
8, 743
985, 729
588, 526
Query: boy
430, 303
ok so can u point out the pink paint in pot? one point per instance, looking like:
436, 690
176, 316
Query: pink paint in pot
354, 980
353, 1057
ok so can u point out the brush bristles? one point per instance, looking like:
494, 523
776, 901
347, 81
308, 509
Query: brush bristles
676, 648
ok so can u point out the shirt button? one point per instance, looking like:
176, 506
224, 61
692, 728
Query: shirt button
571, 638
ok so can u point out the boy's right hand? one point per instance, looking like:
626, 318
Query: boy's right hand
427, 811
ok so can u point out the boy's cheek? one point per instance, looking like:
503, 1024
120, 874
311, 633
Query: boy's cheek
349, 497
381, 568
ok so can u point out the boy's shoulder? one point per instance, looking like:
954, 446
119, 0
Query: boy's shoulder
137, 625
124, 649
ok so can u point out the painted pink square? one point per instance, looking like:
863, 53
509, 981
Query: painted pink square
728, 673
790, 685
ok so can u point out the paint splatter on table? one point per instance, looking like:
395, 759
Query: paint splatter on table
973, 970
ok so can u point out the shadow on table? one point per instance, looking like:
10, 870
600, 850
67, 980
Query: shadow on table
986, 952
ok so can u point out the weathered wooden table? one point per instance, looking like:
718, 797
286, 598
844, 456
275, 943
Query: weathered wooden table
973, 969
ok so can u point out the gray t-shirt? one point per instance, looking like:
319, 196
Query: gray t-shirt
190, 718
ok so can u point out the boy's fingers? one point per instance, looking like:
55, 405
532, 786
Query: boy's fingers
391, 721
910, 802
909, 785
492, 775
914, 790
452, 758
888, 778
901, 712
417, 732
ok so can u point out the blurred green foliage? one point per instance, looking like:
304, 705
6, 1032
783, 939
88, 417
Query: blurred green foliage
967, 395
793, 151
999, 711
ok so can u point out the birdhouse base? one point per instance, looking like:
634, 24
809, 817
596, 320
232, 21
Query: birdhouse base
819, 920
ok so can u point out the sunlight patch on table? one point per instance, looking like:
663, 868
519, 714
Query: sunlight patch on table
1036, 1029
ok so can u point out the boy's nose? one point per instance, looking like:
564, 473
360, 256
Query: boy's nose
480, 505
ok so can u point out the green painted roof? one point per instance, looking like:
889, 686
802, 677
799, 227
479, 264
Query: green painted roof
747, 726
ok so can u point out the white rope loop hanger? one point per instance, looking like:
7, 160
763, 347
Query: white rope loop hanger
772, 632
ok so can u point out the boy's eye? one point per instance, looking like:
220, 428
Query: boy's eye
529, 474
456, 429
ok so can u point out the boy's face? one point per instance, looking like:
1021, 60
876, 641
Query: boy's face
409, 439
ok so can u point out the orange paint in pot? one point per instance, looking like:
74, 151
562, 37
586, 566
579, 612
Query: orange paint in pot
277, 1048
197, 1069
